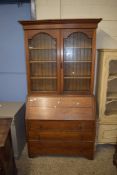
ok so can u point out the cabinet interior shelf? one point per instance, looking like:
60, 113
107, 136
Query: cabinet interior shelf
112, 77
38, 91
46, 61
41, 48
44, 48
76, 47
43, 77
51, 61
80, 61
56, 77
85, 77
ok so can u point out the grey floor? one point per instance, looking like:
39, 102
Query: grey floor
53, 165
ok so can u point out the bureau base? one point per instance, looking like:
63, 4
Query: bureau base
67, 129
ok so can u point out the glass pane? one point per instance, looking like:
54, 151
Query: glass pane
77, 62
77, 70
111, 108
43, 85
111, 101
76, 85
77, 47
113, 67
43, 69
42, 55
42, 41
112, 86
43, 62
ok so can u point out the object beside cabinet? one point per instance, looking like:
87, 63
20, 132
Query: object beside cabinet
107, 96
7, 162
15, 111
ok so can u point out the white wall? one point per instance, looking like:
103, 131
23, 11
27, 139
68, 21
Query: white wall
106, 9
47, 9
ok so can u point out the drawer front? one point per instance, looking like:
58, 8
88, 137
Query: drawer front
60, 125
61, 135
107, 134
60, 101
59, 147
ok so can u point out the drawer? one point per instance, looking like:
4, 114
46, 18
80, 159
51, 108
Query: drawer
60, 102
107, 134
60, 125
59, 148
61, 135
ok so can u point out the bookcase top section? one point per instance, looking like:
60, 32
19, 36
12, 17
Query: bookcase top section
62, 23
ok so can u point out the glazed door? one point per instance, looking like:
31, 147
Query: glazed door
77, 61
43, 61
111, 94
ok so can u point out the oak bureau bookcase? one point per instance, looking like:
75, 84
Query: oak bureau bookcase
60, 109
